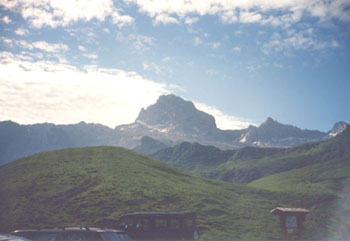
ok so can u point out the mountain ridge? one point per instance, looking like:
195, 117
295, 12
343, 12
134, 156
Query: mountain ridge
175, 120
171, 120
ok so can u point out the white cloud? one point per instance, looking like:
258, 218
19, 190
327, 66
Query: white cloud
82, 48
191, 20
54, 13
335, 44
21, 31
6, 19
121, 20
49, 47
215, 45
211, 72
302, 40
167, 59
91, 56
250, 17
276, 13
229, 16
224, 121
325, 10
197, 41
236, 49
138, 41
45, 91
84, 35
152, 67
141, 42
39, 45
164, 19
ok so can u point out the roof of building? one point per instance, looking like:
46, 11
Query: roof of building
280, 210
159, 214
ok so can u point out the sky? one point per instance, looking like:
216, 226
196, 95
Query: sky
101, 61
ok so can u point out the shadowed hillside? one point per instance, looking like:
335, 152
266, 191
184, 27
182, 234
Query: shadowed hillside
193, 157
251, 163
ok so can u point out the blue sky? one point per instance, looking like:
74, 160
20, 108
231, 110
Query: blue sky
101, 61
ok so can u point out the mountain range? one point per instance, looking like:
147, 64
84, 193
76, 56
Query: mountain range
170, 121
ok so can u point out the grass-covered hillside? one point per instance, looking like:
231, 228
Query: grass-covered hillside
86, 185
322, 178
251, 163
193, 157
330, 180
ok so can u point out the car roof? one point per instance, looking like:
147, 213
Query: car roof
159, 214
61, 229
9, 237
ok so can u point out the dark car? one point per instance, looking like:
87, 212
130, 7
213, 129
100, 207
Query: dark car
159, 226
8, 237
73, 234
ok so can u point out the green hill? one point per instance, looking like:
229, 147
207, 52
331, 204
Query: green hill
252, 163
86, 185
193, 157
322, 178
329, 179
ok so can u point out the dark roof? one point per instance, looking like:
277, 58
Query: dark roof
159, 214
58, 229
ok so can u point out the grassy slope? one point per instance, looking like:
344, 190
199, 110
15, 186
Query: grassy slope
82, 186
322, 178
193, 157
330, 181
255, 163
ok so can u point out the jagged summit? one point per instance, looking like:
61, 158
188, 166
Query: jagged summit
173, 120
271, 133
173, 111
270, 122
338, 128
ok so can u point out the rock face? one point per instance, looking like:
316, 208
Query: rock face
274, 134
173, 120
337, 128
175, 114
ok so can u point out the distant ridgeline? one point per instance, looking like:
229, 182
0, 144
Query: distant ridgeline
167, 123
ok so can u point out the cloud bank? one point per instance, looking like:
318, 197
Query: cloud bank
45, 91
248, 11
54, 13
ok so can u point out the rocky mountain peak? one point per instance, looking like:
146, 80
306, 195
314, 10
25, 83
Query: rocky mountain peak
270, 122
338, 128
173, 111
